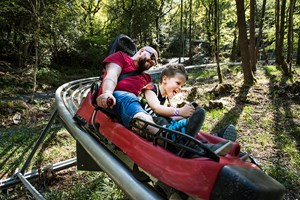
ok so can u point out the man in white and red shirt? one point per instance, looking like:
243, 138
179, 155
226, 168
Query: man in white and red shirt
120, 96
123, 93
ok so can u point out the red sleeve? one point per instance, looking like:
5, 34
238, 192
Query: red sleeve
149, 86
117, 58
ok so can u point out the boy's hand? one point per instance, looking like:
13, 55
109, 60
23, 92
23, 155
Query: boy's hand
187, 110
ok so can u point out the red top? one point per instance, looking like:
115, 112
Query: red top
132, 84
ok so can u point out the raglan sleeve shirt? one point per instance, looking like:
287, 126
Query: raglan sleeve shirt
132, 84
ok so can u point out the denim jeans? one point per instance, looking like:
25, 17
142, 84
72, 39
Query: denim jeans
127, 105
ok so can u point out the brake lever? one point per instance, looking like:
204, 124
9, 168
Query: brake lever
109, 102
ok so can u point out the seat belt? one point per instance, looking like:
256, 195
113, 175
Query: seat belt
132, 73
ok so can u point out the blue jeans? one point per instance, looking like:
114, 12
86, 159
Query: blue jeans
127, 105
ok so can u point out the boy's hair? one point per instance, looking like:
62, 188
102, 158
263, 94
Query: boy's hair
173, 69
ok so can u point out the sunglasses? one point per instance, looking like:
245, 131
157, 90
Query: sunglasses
152, 56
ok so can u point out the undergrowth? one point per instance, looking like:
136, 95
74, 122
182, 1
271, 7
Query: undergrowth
266, 115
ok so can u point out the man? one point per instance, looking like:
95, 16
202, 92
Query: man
123, 93
119, 95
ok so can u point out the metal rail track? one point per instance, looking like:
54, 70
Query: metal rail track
67, 100
68, 97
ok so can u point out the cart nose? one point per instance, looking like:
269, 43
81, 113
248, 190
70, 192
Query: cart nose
239, 182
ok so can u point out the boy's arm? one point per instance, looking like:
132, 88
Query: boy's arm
165, 111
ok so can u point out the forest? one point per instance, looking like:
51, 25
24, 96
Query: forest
253, 44
39, 34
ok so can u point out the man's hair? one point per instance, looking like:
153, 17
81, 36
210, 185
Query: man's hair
172, 69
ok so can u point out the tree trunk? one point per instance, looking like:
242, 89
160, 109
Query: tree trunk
252, 36
181, 30
217, 35
35, 6
37, 47
281, 60
208, 27
129, 11
265, 55
298, 49
190, 33
209, 16
157, 46
259, 38
243, 41
290, 36
234, 49
277, 35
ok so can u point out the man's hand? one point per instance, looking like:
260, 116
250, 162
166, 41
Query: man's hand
106, 100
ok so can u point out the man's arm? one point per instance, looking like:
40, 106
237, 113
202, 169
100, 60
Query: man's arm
109, 84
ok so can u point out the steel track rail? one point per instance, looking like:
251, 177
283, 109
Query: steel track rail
12, 181
68, 98
119, 173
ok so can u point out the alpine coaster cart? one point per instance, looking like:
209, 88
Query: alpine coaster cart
141, 167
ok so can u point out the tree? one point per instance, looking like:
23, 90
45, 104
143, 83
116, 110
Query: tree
208, 25
298, 48
243, 42
35, 9
15, 28
280, 37
234, 49
290, 35
76, 32
181, 30
277, 34
217, 36
260, 31
163, 8
252, 36
91, 8
190, 31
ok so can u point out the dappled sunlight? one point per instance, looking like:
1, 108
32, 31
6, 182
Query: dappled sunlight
285, 119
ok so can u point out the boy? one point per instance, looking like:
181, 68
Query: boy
155, 99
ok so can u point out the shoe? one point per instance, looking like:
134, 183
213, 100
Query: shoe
229, 133
222, 148
195, 122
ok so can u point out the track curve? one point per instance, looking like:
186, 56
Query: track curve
68, 98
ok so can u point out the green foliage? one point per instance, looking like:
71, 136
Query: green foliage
136, 19
81, 31
11, 85
53, 78
49, 76
97, 186
14, 143
247, 116
7, 107
204, 74
91, 51
267, 130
